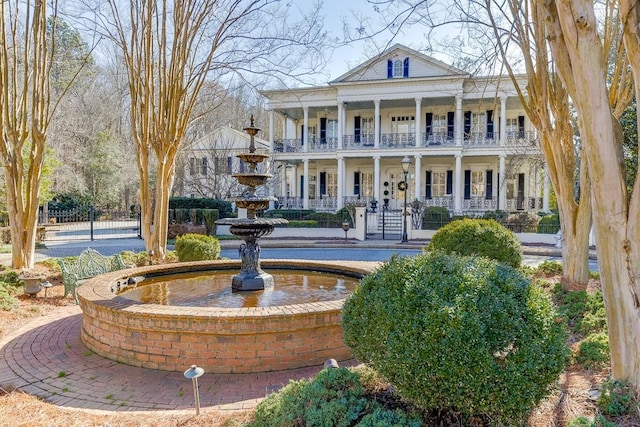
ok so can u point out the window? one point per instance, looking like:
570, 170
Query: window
403, 124
438, 184
477, 183
192, 166
220, 165
398, 68
478, 123
205, 165
512, 126
366, 127
332, 184
332, 130
439, 124
366, 184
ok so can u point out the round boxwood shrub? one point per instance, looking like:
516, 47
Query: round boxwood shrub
549, 224
197, 247
435, 217
457, 333
478, 237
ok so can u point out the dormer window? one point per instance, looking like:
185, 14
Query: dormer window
398, 68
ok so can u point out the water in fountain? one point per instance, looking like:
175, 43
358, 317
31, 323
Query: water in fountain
251, 277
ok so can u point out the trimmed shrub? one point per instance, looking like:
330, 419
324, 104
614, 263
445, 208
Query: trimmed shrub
197, 247
593, 351
499, 216
334, 398
478, 237
290, 214
458, 333
522, 222
224, 207
435, 217
549, 224
209, 217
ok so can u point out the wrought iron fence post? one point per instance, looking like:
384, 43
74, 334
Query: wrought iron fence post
91, 221
139, 223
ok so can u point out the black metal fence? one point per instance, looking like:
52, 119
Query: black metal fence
87, 222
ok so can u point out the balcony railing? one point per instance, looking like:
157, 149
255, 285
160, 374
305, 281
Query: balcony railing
405, 140
438, 138
397, 140
480, 203
358, 142
522, 138
480, 138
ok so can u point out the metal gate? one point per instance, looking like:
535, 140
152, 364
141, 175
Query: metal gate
89, 223
384, 223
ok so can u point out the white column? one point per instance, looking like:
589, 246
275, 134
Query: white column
340, 195
283, 180
459, 121
293, 185
418, 121
417, 191
271, 131
502, 187
305, 132
503, 120
376, 123
376, 178
284, 126
459, 187
305, 189
546, 191
340, 124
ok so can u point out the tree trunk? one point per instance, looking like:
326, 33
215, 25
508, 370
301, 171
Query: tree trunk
580, 59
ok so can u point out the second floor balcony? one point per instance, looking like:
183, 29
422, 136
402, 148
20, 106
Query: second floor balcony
404, 141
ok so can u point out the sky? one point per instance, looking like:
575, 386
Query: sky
344, 58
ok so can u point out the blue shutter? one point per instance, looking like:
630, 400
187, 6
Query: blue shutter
356, 128
389, 69
467, 123
427, 188
450, 124
489, 188
301, 134
520, 126
323, 130
356, 184
467, 184
449, 182
429, 121
490, 124
405, 72
302, 186
323, 183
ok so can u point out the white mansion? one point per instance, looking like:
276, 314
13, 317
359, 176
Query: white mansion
471, 147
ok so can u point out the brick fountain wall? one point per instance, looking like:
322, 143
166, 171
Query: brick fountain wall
221, 340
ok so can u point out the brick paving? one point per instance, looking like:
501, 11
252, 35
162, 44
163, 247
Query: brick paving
46, 358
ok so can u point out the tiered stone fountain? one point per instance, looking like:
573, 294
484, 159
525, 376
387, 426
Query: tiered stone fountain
251, 228
183, 314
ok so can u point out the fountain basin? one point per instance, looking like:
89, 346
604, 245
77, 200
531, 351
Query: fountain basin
221, 340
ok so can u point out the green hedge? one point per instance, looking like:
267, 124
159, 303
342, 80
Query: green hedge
223, 207
458, 333
549, 224
478, 237
435, 217
197, 247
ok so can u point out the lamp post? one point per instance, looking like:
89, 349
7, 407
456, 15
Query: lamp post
406, 164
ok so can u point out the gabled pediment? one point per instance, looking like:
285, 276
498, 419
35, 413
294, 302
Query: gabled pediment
399, 62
